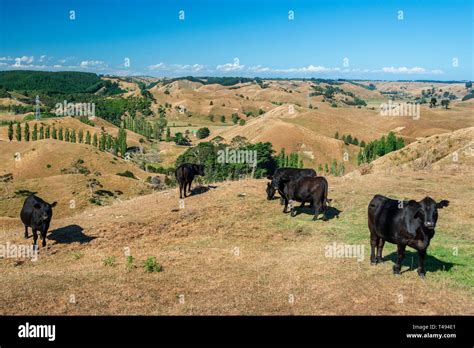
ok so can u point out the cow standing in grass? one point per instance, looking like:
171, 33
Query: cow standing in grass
36, 214
307, 189
403, 223
185, 174
283, 175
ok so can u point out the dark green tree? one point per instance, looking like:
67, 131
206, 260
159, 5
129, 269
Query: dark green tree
203, 133
10, 131
18, 131
80, 136
34, 135
27, 132
88, 138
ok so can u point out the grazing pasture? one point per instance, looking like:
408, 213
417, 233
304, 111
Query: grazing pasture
231, 251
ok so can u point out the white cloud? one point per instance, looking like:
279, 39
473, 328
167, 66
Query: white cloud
93, 64
235, 66
177, 68
308, 69
413, 70
159, 66
259, 68
42, 58
23, 59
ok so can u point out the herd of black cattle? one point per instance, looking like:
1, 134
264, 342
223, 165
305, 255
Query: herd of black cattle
399, 222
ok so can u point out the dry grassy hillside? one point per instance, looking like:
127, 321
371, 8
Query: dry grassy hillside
62, 171
415, 88
230, 251
446, 152
311, 132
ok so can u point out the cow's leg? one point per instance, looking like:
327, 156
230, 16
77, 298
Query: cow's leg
184, 189
324, 209
26, 232
189, 186
180, 190
43, 237
400, 256
380, 245
35, 236
293, 211
421, 263
374, 240
317, 209
286, 205
282, 200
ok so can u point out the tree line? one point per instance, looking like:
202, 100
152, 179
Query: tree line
103, 141
380, 147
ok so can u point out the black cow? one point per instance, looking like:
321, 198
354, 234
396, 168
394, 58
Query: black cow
185, 174
283, 175
36, 214
307, 189
403, 223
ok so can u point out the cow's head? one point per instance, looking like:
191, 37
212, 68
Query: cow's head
426, 210
44, 211
270, 191
429, 211
199, 169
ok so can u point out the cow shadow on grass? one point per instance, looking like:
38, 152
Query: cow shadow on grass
432, 264
201, 189
69, 234
330, 214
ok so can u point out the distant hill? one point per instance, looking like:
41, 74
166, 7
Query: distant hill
52, 82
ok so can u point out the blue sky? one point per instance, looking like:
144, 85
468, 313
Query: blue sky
328, 39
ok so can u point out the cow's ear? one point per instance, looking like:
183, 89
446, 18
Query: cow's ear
37, 206
53, 204
269, 177
412, 203
442, 204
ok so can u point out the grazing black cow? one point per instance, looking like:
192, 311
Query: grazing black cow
185, 174
307, 189
283, 175
36, 214
403, 223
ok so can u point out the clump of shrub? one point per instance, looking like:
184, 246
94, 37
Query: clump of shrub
203, 133
130, 263
151, 265
109, 261
128, 174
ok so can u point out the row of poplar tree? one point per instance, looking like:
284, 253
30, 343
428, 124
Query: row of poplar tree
104, 141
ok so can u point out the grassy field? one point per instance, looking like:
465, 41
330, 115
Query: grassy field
230, 251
